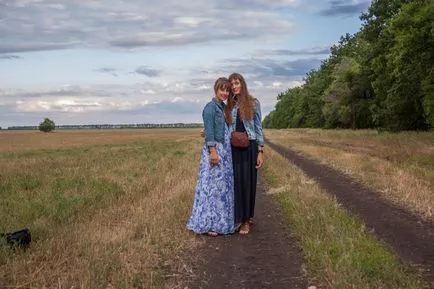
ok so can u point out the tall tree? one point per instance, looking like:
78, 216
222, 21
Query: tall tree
342, 95
387, 109
409, 61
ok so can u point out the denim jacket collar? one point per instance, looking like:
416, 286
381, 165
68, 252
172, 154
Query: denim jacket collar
219, 103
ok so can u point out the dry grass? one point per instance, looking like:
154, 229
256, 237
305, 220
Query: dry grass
107, 209
337, 250
399, 166
19, 141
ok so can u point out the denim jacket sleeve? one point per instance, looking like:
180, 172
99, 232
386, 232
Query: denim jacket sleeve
257, 119
208, 115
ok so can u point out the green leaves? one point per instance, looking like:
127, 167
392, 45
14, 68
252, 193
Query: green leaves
399, 33
47, 125
381, 77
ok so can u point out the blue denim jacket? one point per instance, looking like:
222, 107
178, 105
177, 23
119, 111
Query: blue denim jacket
214, 122
253, 126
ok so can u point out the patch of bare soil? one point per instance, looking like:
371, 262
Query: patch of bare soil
265, 258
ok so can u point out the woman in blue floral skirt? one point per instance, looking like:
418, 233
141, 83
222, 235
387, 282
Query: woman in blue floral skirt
213, 207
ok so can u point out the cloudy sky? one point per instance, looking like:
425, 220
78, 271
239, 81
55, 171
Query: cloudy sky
155, 61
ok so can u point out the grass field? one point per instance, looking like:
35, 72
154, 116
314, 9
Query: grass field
106, 208
399, 166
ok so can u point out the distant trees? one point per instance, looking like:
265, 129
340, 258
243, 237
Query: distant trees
114, 126
380, 77
47, 125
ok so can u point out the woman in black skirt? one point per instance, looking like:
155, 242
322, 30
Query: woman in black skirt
244, 113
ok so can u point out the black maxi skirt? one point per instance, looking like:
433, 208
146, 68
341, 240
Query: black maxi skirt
245, 176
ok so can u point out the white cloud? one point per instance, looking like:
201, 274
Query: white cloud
66, 105
148, 91
51, 24
190, 21
295, 83
177, 99
276, 84
280, 3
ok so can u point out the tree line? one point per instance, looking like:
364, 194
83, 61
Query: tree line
380, 77
111, 126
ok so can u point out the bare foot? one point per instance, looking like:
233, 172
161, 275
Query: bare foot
251, 221
212, 234
245, 229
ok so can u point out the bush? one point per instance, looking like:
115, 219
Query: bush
47, 125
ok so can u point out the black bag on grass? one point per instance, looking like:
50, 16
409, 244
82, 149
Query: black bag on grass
18, 238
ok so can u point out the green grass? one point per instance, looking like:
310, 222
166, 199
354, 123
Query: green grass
50, 153
27, 198
62, 184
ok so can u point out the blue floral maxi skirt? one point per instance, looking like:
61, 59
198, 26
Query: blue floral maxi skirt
213, 207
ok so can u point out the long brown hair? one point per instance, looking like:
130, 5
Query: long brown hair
224, 83
245, 102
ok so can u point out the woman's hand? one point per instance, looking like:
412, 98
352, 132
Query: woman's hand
214, 157
259, 160
202, 132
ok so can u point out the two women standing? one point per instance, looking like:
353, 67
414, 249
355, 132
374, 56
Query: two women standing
226, 187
